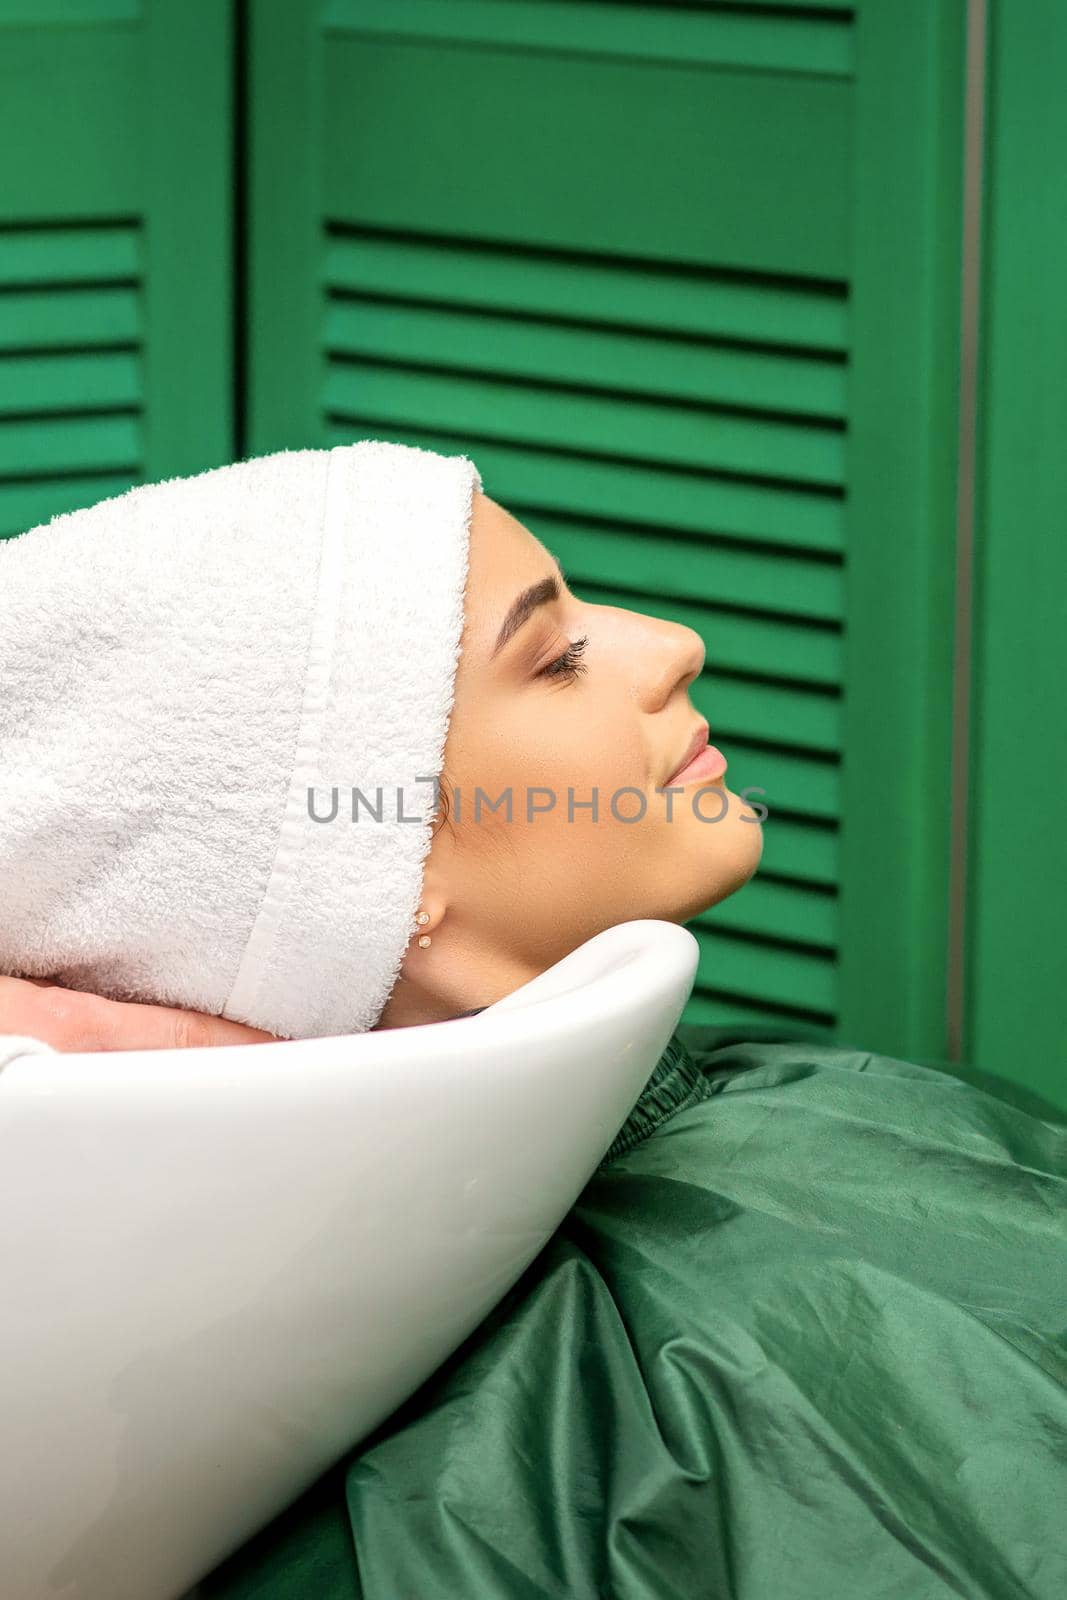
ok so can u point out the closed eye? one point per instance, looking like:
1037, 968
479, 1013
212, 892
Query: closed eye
569, 665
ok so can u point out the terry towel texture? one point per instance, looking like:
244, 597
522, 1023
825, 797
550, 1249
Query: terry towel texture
189, 671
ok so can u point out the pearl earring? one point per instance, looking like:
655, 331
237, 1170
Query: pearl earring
422, 919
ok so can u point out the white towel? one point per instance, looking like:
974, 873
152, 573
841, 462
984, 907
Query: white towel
189, 670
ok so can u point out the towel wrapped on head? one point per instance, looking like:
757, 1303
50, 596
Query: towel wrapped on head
188, 671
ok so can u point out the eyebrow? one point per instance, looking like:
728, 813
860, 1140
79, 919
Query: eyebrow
538, 594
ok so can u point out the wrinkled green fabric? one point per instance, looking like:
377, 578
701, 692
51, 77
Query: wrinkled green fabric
803, 1336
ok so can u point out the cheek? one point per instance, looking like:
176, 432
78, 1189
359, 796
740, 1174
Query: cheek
565, 738
582, 747
585, 755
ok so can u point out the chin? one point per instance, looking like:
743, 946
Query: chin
714, 875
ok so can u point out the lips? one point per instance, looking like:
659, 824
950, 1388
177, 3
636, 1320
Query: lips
696, 745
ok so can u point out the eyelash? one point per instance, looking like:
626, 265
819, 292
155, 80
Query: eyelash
569, 664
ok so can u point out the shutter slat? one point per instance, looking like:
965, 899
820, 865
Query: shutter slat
782, 714
640, 363
777, 910
798, 849
781, 780
705, 1006
771, 581
35, 384
608, 425
69, 255
739, 642
704, 35
755, 970
71, 444
685, 503
749, 308
37, 318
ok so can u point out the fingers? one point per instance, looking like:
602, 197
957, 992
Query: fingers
126, 1025
18, 1007
70, 1020
63, 1018
184, 1030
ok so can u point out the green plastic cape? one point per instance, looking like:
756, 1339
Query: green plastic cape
803, 1336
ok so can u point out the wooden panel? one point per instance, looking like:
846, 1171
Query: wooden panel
896, 776
728, 136
1017, 955
71, 151
115, 263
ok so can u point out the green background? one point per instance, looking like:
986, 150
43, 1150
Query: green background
685, 281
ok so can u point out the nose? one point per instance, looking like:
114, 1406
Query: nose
674, 656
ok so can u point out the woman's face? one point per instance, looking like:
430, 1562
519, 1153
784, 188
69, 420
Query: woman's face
546, 734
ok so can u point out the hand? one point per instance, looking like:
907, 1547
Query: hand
69, 1020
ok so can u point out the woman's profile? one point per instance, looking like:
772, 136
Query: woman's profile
803, 1332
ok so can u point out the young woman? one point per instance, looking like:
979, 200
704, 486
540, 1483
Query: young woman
802, 1334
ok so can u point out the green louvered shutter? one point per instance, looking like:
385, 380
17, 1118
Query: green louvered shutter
115, 259
621, 254
1017, 977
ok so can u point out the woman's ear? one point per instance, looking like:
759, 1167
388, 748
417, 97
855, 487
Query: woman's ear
428, 918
